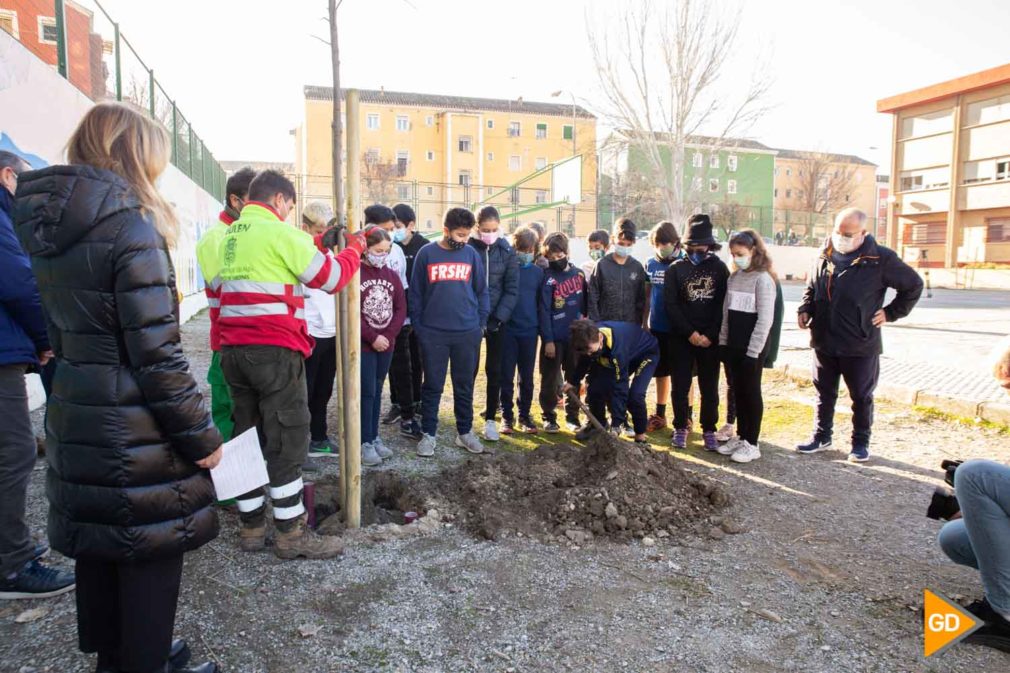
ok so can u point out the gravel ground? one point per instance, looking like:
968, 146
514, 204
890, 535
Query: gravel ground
827, 577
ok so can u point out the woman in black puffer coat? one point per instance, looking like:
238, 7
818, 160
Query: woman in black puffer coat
128, 435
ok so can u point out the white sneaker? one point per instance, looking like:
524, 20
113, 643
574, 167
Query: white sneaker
725, 433
469, 442
572, 427
426, 447
381, 448
730, 447
369, 456
491, 431
746, 452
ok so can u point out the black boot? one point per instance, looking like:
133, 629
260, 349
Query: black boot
178, 656
206, 667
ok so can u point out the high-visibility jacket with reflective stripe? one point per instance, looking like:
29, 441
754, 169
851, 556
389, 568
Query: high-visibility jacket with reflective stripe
209, 258
264, 262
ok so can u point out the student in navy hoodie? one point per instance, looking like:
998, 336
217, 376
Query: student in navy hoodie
448, 305
563, 299
620, 358
519, 348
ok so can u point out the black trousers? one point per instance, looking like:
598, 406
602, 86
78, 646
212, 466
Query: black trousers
688, 358
861, 375
730, 397
401, 375
126, 611
495, 342
554, 373
320, 370
746, 392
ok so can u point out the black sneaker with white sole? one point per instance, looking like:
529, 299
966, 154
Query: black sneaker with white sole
393, 415
411, 429
37, 580
815, 445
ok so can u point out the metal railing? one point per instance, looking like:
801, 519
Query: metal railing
92, 53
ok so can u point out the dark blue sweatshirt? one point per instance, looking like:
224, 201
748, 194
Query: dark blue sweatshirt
563, 300
525, 319
448, 290
22, 325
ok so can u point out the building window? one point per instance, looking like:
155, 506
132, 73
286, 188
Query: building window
775, 193
988, 111
464, 178
402, 123
372, 122
9, 22
402, 157
372, 155
698, 160
927, 233
47, 30
731, 186
541, 196
696, 184
515, 163
927, 124
789, 193
465, 144
431, 192
731, 162
927, 178
541, 131
490, 123
568, 132
429, 155
515, 129
541, 163
713, 161
799, 194
490, 156
997, 230
789, 172
429, 120
403, 192
776, 171
713, 184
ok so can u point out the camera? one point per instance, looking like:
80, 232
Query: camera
943, 505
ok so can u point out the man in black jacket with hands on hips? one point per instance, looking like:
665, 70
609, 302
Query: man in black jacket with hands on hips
843, 307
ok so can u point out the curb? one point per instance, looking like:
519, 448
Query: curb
985, 410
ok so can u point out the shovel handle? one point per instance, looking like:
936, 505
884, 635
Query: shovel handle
585, 408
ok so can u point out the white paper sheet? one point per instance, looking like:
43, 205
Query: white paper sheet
242, 467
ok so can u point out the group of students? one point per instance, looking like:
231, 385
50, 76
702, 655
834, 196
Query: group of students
608, 328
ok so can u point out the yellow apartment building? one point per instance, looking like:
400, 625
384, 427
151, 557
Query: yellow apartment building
810, 187
437, 152
950, 176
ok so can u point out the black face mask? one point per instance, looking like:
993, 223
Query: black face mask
559, 264
454, 244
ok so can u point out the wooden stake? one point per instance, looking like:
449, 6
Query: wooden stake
352, 326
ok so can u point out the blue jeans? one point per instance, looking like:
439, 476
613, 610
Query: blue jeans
981, 539
438, 349
374, 367
517, 353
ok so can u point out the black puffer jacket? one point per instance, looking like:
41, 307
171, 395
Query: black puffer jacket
126, 421
617, 291
502, 268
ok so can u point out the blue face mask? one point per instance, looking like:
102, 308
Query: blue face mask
697, 257
525, 258
399, 235
623, 250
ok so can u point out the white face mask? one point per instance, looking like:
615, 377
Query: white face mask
846, 244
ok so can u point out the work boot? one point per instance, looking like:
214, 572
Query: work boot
302, 542
252, 538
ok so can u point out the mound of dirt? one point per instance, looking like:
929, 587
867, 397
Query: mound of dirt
608, 489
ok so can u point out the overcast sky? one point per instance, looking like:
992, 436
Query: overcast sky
237, 67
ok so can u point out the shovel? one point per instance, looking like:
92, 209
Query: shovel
586, 411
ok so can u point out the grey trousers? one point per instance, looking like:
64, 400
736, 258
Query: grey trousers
17, 459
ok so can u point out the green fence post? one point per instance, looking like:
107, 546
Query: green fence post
175, 135
119, 64
151, 86
61, 39
189, 172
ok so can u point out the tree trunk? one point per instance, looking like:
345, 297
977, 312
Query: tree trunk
338, 124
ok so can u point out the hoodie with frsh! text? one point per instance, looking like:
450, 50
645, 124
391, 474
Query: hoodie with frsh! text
448, 290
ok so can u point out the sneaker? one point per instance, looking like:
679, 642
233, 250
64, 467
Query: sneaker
584, 433
627, 430
656, 422
746, 452
680, 439
323, 448
491, 431
859, 454
552, 427
426, 447
302, 542
411, 429
37, 580
469, 442
393, 415
40, 550
572, 424
369, 456
730, 447
507, 426
815, 445
711, 443
528, 426
725, 433
252, 538
995, 631
310, 466
381, 448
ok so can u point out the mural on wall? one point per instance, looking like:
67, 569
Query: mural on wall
39, 133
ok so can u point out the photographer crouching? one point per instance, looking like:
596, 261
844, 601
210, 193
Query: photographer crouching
979, 535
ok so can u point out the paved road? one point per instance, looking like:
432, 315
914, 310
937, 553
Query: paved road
943, 346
